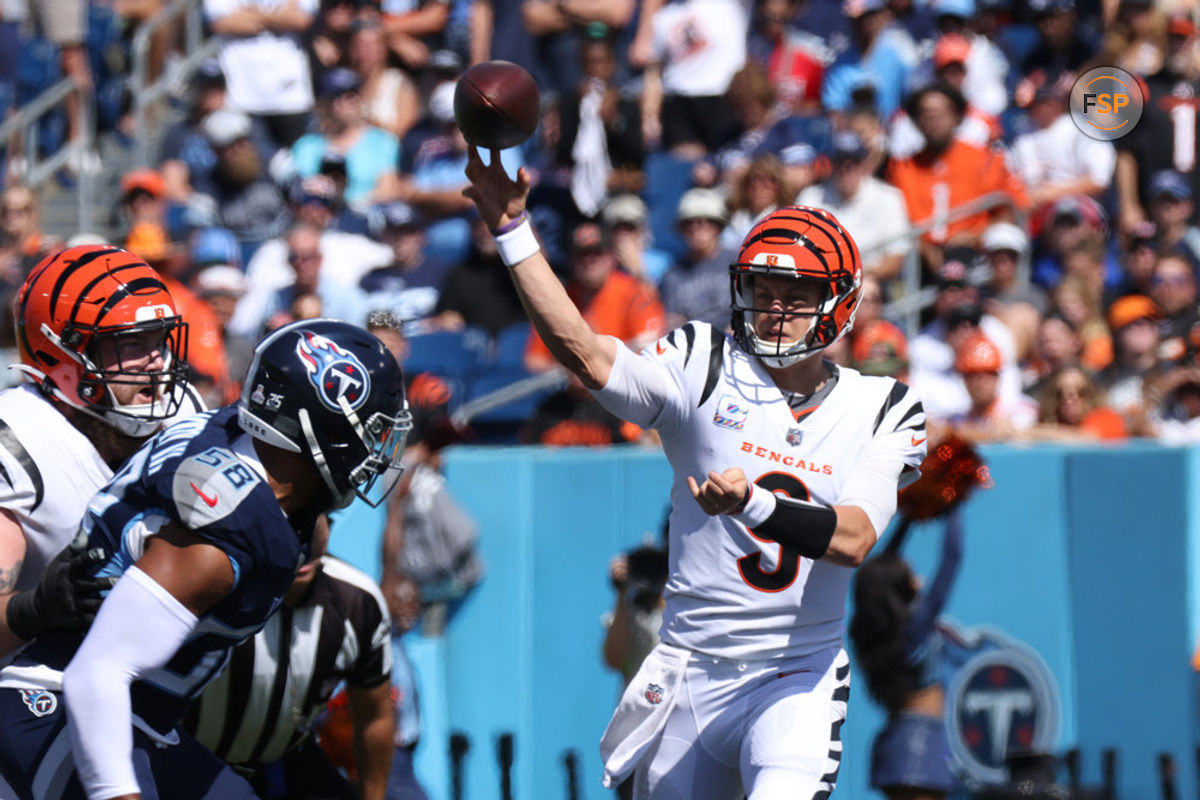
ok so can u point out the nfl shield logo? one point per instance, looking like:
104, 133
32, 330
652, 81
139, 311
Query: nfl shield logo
654, 694
793, 436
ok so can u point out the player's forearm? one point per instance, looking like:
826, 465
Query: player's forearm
566, 333
374, 738
852, 539
9, 641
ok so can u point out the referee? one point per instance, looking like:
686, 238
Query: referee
258, 714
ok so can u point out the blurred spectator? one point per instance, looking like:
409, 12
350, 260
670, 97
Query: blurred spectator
221, 286
1164, 137
625, 218
246, 200
560, 29
698, 45
882, 56
947, 174
264, 61
984, 66
269, 271
793, 59
22, 227
1058, 159
1174, 292
1171, 210
438, 178
697, 286
305, 256
869, 209
184, 150
600, 138
613, 303
1135, 324
1135, 41
877, 347
933, 351
329, 35
1174, 400
978, 127
321, 199
1137, 270
479, 291
917, 19
758, 192
1079, 298
1072, 410
370, 153
142, 196
414, 28
1060, 50
498, 32
1009, 298
989, 416
64, 23
572, 417
1072, 223
1057, 345
407, 287
391, 100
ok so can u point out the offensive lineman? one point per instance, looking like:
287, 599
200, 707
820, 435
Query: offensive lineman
747, 693
204, 527
104, 351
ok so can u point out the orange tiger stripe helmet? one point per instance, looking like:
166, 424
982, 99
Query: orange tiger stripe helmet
802, 243
84, 312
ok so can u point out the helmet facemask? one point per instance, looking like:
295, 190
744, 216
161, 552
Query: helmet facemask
156, 397
383, 438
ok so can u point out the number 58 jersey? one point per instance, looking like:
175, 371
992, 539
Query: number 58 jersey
730, 593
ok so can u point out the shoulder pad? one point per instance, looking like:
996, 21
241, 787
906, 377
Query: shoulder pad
210, 485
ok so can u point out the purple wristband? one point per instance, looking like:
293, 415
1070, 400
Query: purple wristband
512, 225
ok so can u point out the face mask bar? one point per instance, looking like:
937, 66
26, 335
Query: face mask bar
778, 351
384, 438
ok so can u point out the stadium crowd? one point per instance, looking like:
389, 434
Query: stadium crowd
317, 170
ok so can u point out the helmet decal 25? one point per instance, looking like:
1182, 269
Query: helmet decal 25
335, 372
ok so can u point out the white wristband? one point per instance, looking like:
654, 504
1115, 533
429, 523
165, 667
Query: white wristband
517, 245
759, 506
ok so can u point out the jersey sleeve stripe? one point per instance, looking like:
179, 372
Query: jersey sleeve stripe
10, 442
899, 390
689, 333
716, 357
916, 408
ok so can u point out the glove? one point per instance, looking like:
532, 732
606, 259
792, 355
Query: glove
68, 595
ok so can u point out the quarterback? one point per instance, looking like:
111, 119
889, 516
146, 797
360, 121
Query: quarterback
786, 469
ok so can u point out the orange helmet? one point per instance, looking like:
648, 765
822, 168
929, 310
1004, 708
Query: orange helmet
797, 242
74, 302
978, 354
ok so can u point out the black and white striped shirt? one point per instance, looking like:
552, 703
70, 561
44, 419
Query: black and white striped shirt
276, 683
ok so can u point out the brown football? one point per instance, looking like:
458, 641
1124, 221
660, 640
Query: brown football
496, 104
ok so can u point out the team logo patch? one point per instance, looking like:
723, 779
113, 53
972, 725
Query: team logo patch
654, 694
39, 701
336, 373
793, 437
1002, 698
731, 413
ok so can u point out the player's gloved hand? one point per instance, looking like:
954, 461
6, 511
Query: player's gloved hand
68, 596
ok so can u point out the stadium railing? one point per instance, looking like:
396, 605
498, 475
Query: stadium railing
198, 47
24, 126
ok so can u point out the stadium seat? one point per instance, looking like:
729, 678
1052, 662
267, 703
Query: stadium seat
454, 354
515, 412
508, 348
667, 178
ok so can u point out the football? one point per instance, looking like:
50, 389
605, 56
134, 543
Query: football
496, 104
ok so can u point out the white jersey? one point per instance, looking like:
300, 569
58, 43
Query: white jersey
731, 594
49, 471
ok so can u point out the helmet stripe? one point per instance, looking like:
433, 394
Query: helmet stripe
82, 261
133, 287
112, 274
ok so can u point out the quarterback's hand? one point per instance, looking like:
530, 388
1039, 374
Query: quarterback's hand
498, 198
68, 595
722, 493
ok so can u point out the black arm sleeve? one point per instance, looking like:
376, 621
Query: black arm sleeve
806, 528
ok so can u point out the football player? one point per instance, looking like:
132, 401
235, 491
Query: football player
786, 471
204, 527
103, 350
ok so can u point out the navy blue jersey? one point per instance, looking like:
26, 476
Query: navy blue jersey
201, 474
